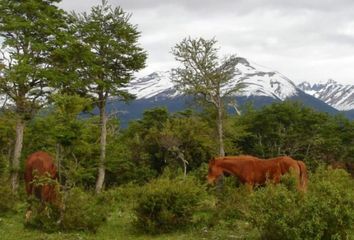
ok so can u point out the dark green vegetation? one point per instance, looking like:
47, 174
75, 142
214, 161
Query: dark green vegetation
177, 207
147, 181
148, 195
203, 75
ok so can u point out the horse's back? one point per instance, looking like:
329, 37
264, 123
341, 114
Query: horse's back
39, 163
42, 162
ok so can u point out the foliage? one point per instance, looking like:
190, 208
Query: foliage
288, 128
202, 75
112, 56
326, 211
6, 140
7, 198
72, 141
168, 204
113, 53
160, 139
82, 212
44, 216
30, 31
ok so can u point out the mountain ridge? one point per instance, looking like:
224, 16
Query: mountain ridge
264, 86
339, 96
259, 81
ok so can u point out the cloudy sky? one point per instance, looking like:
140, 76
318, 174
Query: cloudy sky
306, 40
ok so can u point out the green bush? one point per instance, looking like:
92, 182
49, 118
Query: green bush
82, 212
125, 196
326, 211
7, 199
44, 217
232, 202
168, 204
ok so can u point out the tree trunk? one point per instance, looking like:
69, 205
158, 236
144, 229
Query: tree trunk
103, 143
20, 125
220, 131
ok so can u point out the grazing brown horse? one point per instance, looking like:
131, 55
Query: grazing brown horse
40, 165
252, 170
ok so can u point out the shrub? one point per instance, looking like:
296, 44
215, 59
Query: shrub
232, 202
273, 211
3, 165
200, 173
44, 217
168, 204
125, 196
82, 212
7, 198
326, 211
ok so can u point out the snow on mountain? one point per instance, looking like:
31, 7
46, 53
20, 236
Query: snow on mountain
334, 94
152, 85
262, 82
259, 82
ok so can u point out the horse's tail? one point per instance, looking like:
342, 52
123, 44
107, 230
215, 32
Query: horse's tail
303, 175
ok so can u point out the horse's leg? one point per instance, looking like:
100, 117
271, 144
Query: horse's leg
276, 178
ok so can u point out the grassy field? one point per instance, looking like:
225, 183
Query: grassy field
118, 226
324, 212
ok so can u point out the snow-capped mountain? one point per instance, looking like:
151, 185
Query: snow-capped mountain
263, 87
334, 94
259, 82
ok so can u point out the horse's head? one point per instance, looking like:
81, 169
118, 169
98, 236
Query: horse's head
213, 172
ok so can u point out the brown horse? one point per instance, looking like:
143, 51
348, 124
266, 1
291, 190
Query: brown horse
41, 165
252, 170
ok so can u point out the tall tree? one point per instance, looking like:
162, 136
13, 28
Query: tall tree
114, 55
30, 31
203, 75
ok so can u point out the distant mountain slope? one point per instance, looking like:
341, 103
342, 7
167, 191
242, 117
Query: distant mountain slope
334, 94
260, 82
264, 87
135, 109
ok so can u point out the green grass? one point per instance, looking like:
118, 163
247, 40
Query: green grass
118, 226
232, 217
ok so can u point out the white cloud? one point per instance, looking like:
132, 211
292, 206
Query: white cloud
305, 40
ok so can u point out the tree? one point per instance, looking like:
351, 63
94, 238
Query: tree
114, 55
290, 128
204, 76
30, 30
72, 139
159, 140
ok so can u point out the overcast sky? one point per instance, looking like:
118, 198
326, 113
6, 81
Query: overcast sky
306, 40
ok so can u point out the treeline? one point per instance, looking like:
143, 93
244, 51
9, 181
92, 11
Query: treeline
184, 140
47, 53
55, 66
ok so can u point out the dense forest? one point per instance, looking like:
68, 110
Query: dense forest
148, 180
